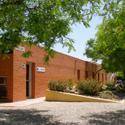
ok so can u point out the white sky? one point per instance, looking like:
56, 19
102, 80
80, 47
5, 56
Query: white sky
81, 34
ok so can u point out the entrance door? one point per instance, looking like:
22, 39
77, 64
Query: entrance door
3, 87
29, 80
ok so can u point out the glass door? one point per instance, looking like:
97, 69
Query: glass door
3, 87
29, 80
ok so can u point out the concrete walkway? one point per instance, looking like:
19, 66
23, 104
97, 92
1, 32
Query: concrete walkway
23, 103
31, 102
63, 113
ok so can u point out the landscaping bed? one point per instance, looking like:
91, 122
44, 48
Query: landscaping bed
91, 88
70, 97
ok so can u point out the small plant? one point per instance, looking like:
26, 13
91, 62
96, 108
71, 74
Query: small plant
57, 86
89, 87
110, 86
69, 84
107, 95
120, 88
66, 86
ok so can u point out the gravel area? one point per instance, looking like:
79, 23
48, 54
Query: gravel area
64, 113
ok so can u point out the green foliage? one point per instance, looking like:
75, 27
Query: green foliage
57, 86
27, 54
62, 86
116, 87
107, 95
120, 74
120, 88
110, 86
109, 44
89, 87
45, 22
69, 85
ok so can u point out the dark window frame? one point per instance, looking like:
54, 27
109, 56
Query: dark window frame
78, 74
86, 74
4, 86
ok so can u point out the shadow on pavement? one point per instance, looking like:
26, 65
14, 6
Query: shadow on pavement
109, 118
28, 117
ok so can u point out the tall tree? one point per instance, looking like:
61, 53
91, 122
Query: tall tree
45, 22
109, 44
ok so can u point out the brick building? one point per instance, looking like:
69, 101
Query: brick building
22, 78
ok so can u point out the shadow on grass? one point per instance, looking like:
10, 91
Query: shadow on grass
28, 117
109, 118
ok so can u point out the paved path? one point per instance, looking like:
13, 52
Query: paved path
23, 103
64, 113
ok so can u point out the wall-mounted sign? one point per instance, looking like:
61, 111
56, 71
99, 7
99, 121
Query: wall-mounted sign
23, 66
40, 69
20, 48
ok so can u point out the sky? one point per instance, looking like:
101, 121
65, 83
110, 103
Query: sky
80, 34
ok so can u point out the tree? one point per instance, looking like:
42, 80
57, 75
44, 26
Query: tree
109, 43
45, 22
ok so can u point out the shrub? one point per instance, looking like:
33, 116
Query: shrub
57, 86
61, 85
107, 95
89, 87
104, 87
69, 84
120, 88
110, 86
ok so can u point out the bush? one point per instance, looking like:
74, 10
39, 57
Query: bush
69, 85
89, 87
107, 95
110, 86
120, 88
57, 86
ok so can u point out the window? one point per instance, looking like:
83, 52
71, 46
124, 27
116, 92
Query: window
105, 77
78, 74
93, 75
3, 86
98, 77
3, 80
102, 78
86, 74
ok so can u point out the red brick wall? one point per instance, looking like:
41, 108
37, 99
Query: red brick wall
61, 67
19, 72
95, 71
65, 67
6, 69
